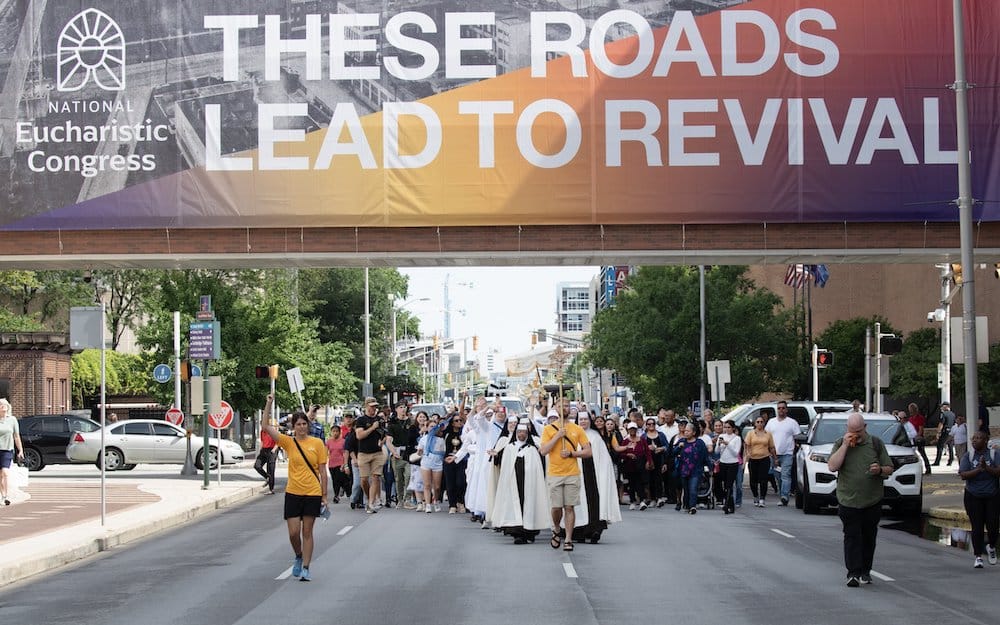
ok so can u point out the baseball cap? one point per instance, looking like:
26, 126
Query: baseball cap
631, 425
371, 401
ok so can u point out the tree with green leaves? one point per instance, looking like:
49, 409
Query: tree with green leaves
45, 297
124, 374
335, 298
914, 369
259, 325
652, 334
846, 339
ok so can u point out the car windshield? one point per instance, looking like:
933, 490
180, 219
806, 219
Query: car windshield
513, 405
829, 430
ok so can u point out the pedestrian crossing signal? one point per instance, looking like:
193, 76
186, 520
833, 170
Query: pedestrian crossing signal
824, 358
261, 372
185, 371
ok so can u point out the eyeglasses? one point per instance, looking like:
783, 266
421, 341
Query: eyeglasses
758, 422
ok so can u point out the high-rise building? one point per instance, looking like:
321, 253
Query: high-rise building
573, 307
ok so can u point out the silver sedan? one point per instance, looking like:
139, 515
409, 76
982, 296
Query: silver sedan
147, 441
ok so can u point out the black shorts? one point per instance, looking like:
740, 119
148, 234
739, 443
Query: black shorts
6, 458
298, 506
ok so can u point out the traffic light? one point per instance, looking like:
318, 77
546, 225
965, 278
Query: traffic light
956, 272
475, 343
185, 371
261, 372
534, 338
824, 358
437, 342
890, 345
272, 372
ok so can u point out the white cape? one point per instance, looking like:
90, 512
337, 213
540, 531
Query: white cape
507, 510
607, 488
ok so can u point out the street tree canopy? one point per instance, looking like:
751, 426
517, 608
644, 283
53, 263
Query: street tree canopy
652, 333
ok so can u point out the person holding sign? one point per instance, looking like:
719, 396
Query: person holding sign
305, 493
563, 442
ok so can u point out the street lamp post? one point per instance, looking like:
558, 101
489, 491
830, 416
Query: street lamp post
392, 303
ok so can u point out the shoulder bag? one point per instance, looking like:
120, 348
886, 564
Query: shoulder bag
323, 511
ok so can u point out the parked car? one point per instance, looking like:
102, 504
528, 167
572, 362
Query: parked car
439, 409
150, 441
818, 485
45, 437
802, 411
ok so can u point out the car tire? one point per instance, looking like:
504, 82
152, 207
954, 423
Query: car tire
213, 463
798, 499
128, 467
33, 459
114, 459
809, 505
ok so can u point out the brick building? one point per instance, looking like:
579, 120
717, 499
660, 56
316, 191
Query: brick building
35, 372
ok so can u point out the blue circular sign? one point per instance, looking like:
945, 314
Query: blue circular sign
195, 370
162, 373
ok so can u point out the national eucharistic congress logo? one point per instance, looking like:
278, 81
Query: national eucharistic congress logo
91, 48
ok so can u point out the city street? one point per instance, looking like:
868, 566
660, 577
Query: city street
757, 566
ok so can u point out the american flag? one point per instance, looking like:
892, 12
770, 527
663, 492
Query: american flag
798, 275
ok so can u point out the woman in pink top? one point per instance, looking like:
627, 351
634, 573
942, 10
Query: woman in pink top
338, 464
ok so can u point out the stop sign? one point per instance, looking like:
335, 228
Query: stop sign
223, 419
175, 416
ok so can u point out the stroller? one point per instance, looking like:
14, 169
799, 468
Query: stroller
706, 494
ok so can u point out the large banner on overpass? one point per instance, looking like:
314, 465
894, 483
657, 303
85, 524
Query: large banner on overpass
311, 113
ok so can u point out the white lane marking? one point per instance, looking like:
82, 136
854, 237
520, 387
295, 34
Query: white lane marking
780, 533
570, 571
884, 578
285, 575
345, 529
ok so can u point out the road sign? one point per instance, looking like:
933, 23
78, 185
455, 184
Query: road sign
174, 416
222, 419
195, 370
295, 383
203, 340
718, 377
162, 373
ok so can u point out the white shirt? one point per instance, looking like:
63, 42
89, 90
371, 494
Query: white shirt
960, 434
730, 452
670, 431
784, 432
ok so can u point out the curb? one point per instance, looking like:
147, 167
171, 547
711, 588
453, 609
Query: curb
61, 556
949, 513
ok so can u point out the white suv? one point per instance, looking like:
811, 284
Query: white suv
818, 486
804, 412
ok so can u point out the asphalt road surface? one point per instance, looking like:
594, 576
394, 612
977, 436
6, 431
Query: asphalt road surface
771, 566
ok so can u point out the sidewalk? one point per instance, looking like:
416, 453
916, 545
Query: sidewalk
944, 494
60, 520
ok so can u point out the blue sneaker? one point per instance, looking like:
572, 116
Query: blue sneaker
297, 567
305, 576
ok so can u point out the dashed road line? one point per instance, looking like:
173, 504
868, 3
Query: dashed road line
884, 578
570, 571
345, 529
781, 533
285, 575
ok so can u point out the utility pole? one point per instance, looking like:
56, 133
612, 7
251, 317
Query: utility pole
961, 88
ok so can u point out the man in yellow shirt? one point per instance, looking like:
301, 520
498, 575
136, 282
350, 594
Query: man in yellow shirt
563, 442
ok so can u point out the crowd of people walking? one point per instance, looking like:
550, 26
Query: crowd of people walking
566, 469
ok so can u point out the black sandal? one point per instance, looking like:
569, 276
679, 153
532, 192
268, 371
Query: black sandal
568, 546
555, 541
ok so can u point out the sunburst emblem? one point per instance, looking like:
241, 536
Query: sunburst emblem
91, 47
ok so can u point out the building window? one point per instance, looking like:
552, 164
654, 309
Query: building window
63, 394
50, 394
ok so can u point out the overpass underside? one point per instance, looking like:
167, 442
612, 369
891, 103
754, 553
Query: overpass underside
642, 244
